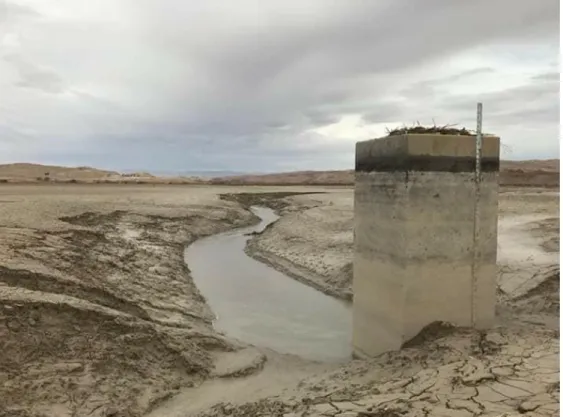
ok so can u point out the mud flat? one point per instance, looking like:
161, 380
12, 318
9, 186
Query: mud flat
312, 242
504, 372
512, 369
99, 314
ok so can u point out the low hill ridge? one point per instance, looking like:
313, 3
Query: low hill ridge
513, 173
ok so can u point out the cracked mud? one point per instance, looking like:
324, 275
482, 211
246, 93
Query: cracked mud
99, 315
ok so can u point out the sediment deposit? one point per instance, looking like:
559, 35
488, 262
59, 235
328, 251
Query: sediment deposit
98, 312
512, 369
99, 315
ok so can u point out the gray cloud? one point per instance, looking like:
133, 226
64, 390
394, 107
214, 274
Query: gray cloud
430, 87
530, 98
34, 76
12, 11
548, 76
146, 84
515, 113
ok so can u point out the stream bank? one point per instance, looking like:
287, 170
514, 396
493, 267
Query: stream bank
258, 305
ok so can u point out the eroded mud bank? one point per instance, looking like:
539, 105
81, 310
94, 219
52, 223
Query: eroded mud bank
98, 312
98, 316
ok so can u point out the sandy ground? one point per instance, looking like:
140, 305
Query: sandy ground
99, 315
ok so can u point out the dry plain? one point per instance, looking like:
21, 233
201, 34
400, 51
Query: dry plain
99, 315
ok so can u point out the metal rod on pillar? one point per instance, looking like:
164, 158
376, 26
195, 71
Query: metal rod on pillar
479, 144
476, 211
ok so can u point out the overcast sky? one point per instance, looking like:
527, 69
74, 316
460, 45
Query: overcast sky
268, 85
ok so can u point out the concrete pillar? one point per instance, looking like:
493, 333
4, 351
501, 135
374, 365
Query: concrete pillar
414, 258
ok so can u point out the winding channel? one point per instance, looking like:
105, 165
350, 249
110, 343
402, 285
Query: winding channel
259, 305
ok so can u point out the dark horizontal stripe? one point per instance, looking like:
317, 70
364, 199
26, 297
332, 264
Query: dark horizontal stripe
376, 253
424, 163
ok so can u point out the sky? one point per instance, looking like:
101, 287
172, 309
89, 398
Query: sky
265, 86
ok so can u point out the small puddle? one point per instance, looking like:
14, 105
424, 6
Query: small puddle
256, 304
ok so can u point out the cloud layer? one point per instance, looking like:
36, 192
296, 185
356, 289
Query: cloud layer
267, 86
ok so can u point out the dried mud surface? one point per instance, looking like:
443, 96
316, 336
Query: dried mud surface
504, 372
98, 313
512, 369
312, 241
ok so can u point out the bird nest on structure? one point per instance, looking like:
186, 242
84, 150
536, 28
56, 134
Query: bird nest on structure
433, 130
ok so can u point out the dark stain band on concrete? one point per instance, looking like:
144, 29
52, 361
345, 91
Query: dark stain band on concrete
424, 163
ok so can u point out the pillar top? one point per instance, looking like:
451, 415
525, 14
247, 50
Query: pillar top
426, 152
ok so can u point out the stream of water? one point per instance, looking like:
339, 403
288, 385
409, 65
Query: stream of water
256, 304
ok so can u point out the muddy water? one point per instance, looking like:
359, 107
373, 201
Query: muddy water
256, 304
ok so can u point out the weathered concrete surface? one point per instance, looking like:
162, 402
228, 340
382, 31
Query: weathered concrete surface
417, 255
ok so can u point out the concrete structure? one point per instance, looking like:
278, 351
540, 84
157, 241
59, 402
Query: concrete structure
424, 251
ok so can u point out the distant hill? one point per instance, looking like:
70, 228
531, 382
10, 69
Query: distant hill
513, 173
30, 173
27, 172
547, 165
200, 174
